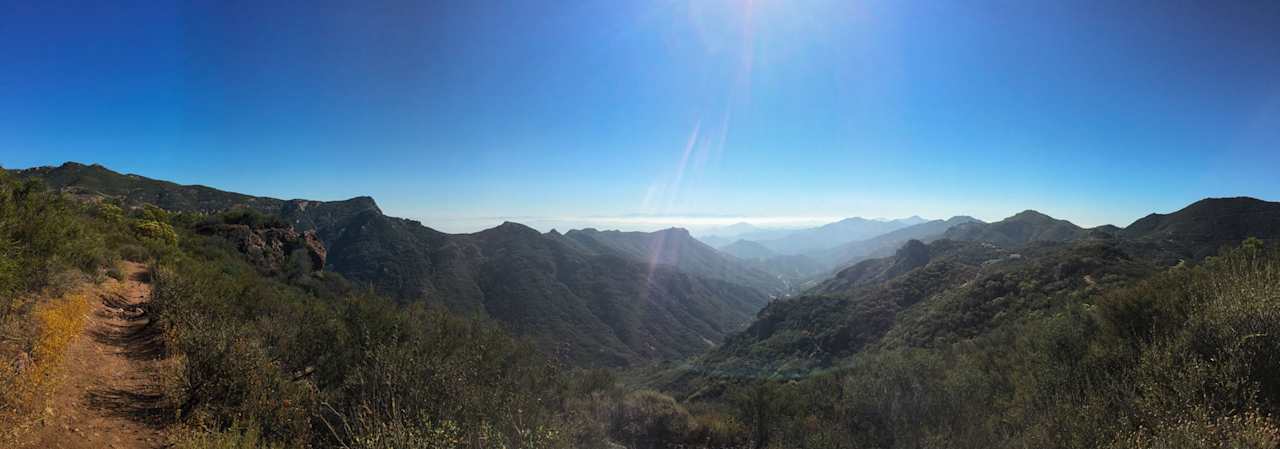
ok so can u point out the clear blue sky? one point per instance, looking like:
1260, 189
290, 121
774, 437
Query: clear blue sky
564, 113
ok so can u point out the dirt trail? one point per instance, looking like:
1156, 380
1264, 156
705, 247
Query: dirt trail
108, 399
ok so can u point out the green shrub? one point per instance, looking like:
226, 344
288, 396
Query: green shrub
250, 218
156, 230
110, 213
151, 212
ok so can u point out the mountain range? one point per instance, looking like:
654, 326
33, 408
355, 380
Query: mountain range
803, 270
610, 298
885, 244
840, 232
592, 298
974, 279
724, 235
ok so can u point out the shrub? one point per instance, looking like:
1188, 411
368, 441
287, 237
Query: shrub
250, 218
156, 230
648, 419
110, 213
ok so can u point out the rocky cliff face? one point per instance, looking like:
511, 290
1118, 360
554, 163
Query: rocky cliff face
270, 249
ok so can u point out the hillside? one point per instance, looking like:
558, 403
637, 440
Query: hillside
1201, 228
1073, 345
885, 244
148, 329
601, 303
746, 249
991, 278
676, 248
93, 180
1025, 227
855, 309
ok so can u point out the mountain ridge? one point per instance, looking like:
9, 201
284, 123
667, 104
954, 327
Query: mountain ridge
1019, 229
885, 244
600, 306
948, 291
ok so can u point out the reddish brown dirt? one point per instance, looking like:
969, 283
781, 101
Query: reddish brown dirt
108, 398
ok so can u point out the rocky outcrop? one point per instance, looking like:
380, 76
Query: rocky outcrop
270, 248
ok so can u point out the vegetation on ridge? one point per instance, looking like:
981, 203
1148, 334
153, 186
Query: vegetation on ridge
1096, 342
592, 301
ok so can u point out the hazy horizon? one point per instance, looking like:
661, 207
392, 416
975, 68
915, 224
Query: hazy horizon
696, 224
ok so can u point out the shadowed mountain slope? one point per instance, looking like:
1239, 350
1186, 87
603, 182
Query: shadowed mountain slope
594, 301
1202, 227
676, 248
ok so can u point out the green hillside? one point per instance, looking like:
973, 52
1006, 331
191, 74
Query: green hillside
593, 298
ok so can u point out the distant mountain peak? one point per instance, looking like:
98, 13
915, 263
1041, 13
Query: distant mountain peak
512, 226
509, 230
363, 201
1234, 201
77, 166
1030, 214
1020, 229
681, 232
855, 220
356, 205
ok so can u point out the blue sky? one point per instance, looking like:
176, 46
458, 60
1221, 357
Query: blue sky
645, 114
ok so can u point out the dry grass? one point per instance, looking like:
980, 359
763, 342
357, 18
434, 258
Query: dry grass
29, 377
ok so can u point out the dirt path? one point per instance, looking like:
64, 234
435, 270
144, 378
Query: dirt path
108, 399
